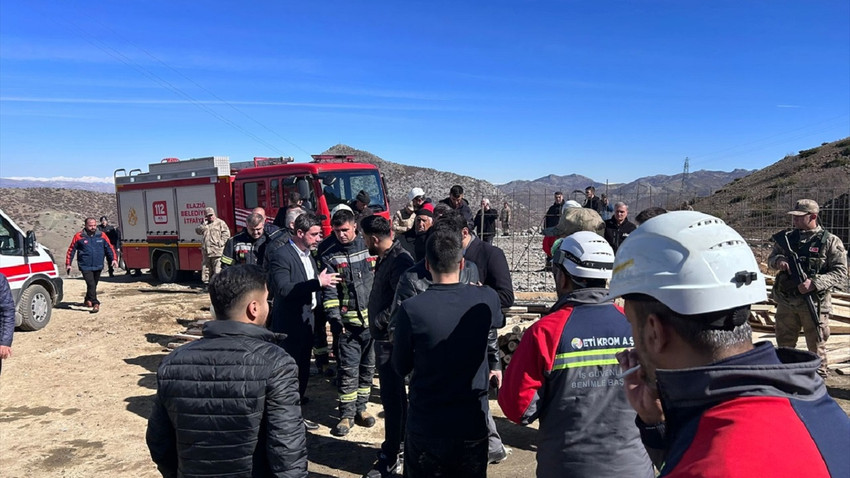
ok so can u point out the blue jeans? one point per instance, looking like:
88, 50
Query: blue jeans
444, 457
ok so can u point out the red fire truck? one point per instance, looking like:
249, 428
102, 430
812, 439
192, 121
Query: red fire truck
159, 210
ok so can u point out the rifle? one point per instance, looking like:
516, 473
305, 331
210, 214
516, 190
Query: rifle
799, 277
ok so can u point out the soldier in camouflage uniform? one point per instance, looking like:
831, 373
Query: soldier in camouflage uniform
824, 262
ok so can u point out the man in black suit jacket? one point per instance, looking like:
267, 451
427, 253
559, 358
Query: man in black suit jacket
296, 283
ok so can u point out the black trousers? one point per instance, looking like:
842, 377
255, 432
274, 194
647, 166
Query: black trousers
297, 344
393, 399
356, 366
92, 278
446, 457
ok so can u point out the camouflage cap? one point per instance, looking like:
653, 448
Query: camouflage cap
208, 211
574, 219
803, 207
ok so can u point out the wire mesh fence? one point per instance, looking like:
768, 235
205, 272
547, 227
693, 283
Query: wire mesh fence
755, 219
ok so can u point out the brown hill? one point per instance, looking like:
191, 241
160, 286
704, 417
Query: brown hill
757, 204
56, 214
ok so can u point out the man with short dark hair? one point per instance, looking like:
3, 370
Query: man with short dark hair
618, 227
457, 202
228, 404
392, 262
346, 304
441, 335
114, 236
296, 283
90, 247
247, 247
710, 402
823, 260
586, 424
550, 220
649, 213
592, 201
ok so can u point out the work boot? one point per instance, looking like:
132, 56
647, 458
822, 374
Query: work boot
95, 308
88, 303
385, 466
343, 427
364, 419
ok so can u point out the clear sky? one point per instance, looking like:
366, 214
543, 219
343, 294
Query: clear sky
496, 89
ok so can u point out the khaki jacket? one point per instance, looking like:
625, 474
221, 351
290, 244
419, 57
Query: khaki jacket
403, 219
832, 273
214, 237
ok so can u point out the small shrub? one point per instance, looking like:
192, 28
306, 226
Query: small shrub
837, 162
738, 199
843, 144
845, 152
808, 152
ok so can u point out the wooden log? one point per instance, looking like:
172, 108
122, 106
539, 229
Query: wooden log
516, 329
174, 345
512, 345
513, 310
187, 337
506, 359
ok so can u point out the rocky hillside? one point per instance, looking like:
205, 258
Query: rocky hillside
762, 199
56, 214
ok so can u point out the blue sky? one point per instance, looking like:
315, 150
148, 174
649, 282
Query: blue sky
497, 89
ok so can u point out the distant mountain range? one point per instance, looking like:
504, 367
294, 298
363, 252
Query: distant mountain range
86, 183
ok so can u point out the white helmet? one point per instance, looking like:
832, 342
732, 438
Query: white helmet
570, 203
415, 193
689, 261
339, 207
586, 255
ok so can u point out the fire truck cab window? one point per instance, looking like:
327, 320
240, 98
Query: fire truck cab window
254, 194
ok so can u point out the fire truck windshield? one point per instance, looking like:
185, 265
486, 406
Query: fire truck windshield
344, 186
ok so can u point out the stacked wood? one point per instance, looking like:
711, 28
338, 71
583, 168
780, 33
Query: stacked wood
508, 344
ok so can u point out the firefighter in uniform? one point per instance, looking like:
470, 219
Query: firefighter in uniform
824, 262
247, 247
347, 304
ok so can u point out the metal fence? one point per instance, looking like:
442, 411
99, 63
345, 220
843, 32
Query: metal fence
755, 219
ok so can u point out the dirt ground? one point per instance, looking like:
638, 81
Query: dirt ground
75, 396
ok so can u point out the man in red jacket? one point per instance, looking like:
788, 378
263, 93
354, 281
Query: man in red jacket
710, 403
90, 246
564, 373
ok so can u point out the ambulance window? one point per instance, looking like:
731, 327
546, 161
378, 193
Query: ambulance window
9, 240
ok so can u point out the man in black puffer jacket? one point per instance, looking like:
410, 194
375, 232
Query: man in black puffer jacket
228, 404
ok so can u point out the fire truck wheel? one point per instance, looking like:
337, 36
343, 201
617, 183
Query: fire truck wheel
35, 307
166, 269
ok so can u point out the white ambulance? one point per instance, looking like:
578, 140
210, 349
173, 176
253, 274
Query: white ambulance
32, 274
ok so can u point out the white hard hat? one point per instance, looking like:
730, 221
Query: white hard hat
689, 261
339, 207
415, 193
571, 203
585, 254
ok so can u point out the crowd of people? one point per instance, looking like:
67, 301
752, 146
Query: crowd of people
665, 382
